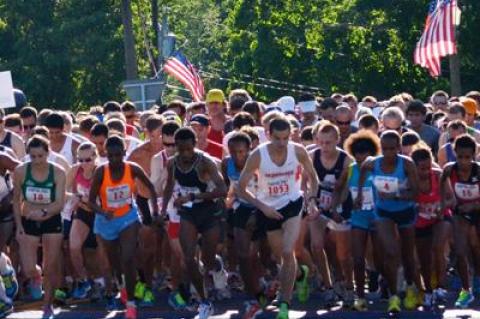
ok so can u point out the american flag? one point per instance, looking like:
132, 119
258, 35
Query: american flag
438, 38
181, 69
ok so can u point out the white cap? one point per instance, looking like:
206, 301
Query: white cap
286, 103
308, 106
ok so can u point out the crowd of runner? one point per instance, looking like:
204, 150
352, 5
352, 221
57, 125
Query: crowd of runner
337, 195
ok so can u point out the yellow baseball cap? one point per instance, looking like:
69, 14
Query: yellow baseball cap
470, 105
215, 95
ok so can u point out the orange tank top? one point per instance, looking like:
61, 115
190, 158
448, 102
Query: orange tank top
117, 195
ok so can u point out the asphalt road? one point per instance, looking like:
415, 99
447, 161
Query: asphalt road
229, 309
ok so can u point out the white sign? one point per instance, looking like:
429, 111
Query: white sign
7, 98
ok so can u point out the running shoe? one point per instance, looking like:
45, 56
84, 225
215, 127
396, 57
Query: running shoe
428, 300
394, 304
97, 292
112, 303
148, 298
283, 311
360, 304
5, 309
348, 298
329, 298
476, 286
410, 301
140, 290
131, 312
35, 288
11, 284
48, 312
82, 289
439, 296
252, 310
205, 310
303, 288
176, 301
465, 298
60, 296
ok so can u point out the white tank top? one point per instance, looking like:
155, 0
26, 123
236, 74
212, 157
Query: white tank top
279, 185
66, 150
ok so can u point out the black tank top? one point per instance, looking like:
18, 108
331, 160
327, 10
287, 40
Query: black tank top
328, 179
189, 180
7, 141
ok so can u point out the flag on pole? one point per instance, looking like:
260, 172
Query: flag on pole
438, 38
181, 69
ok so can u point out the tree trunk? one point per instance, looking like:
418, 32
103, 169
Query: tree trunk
129, 41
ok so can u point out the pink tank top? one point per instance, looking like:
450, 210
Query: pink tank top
82, 185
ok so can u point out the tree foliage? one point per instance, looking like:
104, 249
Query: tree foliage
70, 53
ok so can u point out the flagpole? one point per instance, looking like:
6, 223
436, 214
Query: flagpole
454, 61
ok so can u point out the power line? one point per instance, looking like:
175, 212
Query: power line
300, 86
267, 86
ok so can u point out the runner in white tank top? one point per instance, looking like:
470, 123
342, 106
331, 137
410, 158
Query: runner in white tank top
280, 164
279, 185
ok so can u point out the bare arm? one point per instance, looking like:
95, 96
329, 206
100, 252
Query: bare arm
18, 145
60, 184
18, 177
252, 165
139, 173
220, 190
168, 190
340, 187
309, 170
95, 189
442, 156
445, 186
411, 172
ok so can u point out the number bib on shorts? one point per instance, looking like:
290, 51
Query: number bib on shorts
428, 210
367, 197
467, 191
118, 196
38, 195
386, 184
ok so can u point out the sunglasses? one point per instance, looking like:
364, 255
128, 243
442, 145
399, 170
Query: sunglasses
343, 123
168, 144
85, 160
28, 127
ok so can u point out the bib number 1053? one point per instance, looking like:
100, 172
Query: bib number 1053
278, 189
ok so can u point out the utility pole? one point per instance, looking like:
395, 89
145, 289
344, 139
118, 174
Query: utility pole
166, 45
454, 61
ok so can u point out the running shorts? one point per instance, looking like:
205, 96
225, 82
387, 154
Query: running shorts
404, 218
111, 229
292, 209
204, 215
53, 225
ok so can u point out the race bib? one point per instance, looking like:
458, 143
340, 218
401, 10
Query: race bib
386, 184
82, 190
367, 197
278, 189
185, 191
467, 191
428, 210
118, 196
325, 200
38, 195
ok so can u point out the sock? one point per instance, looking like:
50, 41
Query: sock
100, 281
131, 303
